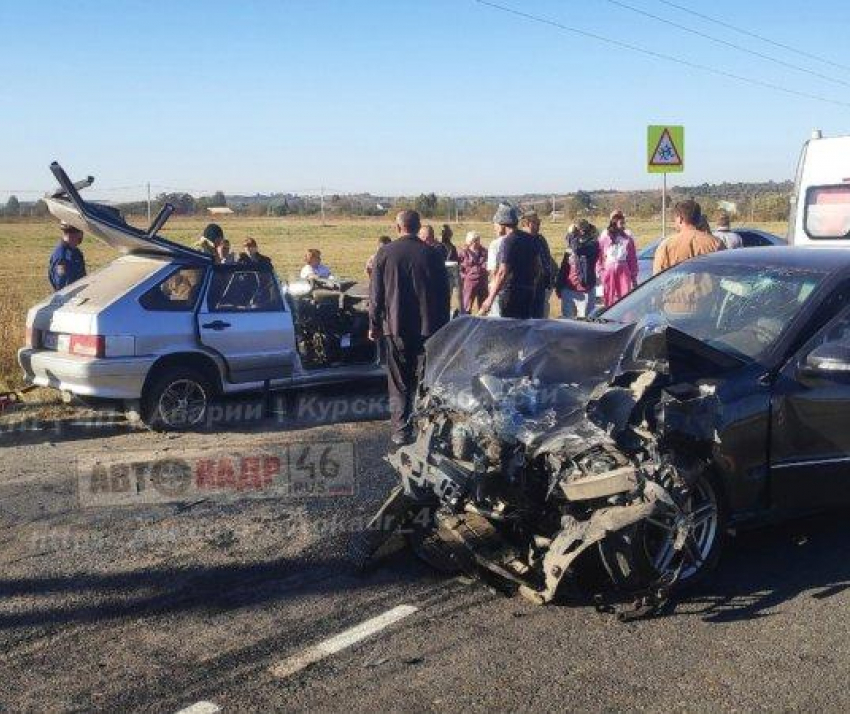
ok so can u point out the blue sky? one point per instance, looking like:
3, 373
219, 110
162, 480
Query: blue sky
401, 97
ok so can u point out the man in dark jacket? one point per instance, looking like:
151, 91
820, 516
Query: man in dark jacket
253, 256
548, 267
409, 302
67, 264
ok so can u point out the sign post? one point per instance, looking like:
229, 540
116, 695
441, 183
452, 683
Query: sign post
665, 154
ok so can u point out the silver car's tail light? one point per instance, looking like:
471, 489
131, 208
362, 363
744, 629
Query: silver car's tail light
87, 345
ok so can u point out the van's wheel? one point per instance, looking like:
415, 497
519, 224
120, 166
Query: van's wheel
176, 400
645, 554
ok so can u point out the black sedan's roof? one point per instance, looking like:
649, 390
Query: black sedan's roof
827, 260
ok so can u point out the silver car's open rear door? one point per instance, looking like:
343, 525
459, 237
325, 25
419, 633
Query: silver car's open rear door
107, 224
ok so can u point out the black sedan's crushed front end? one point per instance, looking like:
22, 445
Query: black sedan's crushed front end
537, 442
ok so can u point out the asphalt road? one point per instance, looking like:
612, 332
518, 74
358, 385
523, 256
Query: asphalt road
248, 604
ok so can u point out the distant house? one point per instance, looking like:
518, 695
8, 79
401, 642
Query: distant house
220, 211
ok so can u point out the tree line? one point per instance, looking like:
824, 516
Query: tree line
768, 201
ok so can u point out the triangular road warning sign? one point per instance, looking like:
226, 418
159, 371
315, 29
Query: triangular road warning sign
666, 153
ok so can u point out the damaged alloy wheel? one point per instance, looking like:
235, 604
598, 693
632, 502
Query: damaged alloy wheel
678, 548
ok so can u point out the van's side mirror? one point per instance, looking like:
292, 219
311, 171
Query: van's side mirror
828, 360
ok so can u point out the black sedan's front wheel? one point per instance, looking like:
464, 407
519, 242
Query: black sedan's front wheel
682, 547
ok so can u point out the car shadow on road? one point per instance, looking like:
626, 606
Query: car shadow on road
294, 410
94, 598
763, 569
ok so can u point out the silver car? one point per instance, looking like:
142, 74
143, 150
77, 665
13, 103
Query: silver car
165, 330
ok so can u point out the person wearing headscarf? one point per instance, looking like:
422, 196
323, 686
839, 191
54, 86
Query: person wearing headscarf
473, 272
617, 265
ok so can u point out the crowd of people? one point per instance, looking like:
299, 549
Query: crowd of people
213, 243
513, 277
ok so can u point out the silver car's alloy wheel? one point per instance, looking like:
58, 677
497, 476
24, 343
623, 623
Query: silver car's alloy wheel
182, 404
697, 525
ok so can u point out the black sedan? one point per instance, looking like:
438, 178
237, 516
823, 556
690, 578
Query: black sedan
714, 395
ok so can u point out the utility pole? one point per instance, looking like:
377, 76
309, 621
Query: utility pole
149, 202
322, 204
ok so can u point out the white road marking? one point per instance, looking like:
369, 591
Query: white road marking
201, 708
339, 642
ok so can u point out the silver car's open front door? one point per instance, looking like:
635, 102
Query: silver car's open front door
244, 318
107, 224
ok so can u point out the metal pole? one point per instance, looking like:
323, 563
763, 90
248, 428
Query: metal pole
664, 207
149, 202
322, 204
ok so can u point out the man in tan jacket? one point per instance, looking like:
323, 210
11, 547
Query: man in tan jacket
682, 297
689, 242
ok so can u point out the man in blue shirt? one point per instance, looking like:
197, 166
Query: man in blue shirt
67, 264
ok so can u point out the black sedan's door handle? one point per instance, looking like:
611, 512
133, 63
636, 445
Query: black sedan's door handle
217, 325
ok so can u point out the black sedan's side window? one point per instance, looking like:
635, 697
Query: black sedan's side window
839, 331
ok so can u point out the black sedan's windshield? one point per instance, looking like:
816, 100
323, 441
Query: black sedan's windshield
739, 309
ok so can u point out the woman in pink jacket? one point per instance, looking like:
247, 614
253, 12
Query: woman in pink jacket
617, 265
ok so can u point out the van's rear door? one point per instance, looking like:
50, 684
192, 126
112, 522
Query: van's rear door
244, 318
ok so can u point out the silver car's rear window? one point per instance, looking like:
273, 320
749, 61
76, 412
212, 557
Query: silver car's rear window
113, 280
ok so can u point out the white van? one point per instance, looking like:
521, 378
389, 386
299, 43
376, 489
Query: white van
820, 207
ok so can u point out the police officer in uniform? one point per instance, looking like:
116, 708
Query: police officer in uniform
67, 264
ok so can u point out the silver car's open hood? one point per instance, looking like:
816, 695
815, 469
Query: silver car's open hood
107, 224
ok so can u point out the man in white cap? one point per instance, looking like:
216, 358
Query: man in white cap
519, 267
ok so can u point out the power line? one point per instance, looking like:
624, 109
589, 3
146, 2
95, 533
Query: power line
729, 26
740, 48
661, 55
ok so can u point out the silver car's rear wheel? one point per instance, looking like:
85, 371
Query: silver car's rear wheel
177, 400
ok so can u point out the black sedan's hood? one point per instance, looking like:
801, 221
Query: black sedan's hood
533, 380
550, 351
570, 352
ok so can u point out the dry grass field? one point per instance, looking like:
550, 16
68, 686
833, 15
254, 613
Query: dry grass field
346, 244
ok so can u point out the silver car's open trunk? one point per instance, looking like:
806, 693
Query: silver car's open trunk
107, 224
